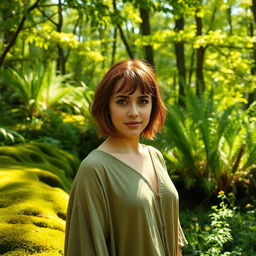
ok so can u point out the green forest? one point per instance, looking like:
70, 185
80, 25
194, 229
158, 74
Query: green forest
53, 54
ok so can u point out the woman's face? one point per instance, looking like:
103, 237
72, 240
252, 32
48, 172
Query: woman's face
130, 113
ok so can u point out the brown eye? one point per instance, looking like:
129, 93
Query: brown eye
143, 101
122, 102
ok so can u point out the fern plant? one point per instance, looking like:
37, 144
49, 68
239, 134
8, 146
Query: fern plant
208, 147
39, 88
10, 137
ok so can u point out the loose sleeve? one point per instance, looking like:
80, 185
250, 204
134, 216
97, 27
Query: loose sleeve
182, 239
87, 216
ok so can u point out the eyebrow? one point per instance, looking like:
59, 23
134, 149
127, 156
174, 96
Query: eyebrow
127, 97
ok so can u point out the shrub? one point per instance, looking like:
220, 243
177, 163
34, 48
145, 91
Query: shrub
230, 231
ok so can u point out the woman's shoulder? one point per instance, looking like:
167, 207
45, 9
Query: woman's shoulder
91, 172
156, 154
93, 162
154, 150
92, 158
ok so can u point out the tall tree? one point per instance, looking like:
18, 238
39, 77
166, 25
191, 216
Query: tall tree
61, 57
180, 59
200, 52
252, 95
114, 46
145, 31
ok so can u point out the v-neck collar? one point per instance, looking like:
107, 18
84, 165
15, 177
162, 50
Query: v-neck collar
156, 191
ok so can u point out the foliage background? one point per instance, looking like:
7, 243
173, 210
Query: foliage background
53, 54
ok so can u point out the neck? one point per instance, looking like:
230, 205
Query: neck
121, 145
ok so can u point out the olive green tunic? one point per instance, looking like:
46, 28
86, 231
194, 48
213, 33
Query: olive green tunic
113, 210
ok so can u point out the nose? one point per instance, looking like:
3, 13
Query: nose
133, 111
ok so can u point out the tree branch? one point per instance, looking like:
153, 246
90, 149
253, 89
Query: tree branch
48, 17
19, 28
212, 19
127, 47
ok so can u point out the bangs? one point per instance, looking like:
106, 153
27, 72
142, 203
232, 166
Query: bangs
126, 77
130, 81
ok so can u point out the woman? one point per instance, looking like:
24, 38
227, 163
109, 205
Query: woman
123, 202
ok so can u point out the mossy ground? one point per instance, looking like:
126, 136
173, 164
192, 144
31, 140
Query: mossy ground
33, 200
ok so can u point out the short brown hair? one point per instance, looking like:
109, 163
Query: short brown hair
132, 73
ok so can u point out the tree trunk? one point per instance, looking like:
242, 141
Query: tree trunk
15, 35
180, 60
191, 67
229, 13
200, 85
114, 47
253, 9
252, 95
145, 31
61, 58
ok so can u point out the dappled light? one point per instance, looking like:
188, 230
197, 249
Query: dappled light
32, 200
53, 54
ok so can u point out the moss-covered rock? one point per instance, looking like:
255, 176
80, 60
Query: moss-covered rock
35, 179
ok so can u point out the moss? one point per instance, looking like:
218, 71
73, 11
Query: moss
30, 239
45, 157
7, 160
33, 200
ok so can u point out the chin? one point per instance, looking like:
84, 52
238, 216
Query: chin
131, 135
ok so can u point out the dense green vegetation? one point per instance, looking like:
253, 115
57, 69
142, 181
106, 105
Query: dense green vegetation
52, 55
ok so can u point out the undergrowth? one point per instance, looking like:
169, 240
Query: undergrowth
227, 230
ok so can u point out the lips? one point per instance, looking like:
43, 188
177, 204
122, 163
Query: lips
133, 124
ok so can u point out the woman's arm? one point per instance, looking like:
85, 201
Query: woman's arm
87, 223
179, 252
